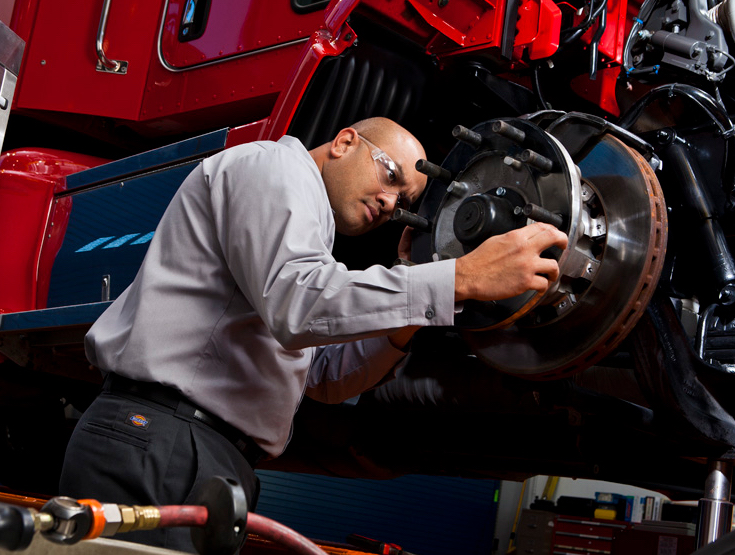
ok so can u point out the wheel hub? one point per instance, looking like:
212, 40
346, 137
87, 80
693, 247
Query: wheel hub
506, 174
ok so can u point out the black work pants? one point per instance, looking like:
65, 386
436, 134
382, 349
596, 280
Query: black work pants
134, 452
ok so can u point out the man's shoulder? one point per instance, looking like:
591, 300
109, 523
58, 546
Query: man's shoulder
284, 155
286, 145
284, 170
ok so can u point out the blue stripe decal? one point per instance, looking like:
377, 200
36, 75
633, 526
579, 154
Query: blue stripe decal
95, 243
146, 238
121, 241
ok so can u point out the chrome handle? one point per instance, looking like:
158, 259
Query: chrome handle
103, 62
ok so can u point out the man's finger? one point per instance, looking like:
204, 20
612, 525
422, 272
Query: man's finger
540, 283
543, 236
404, 245
548, 267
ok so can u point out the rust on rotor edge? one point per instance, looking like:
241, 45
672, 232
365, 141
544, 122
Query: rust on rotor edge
636, 305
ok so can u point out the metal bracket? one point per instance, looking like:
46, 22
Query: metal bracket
105, 288
120, 68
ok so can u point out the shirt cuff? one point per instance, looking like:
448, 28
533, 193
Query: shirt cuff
431, 293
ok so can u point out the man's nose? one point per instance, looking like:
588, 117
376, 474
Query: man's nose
388, 201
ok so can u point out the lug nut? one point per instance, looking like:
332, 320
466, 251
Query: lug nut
541, 214
512, 162
472, 138
458, 189
537, 160
434, 171
508, 131
411, 219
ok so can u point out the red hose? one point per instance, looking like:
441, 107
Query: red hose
276, 532
195, 515
183, 515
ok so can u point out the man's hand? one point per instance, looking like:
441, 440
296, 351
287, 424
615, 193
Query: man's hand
404, 245
401, 338
508, 265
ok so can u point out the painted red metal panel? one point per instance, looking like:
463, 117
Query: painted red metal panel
233, 28
331, 40
24, 206
464, 26
539, 28
601, 91
230, 90
236, 85
249, 50
32, 222
612, 41
399, 17
465, 23
59, 68
248, 86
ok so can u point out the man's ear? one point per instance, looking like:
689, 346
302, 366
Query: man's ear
345, 140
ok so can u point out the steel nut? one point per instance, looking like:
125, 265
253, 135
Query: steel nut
113, 519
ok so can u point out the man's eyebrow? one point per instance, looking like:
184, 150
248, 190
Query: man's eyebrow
404, 183
400, 172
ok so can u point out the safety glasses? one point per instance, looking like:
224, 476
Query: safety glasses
386, 172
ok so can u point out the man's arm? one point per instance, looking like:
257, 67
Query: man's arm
272, 229
339, 372
274, 226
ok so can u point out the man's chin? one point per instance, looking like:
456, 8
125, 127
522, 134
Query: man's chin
352, 230
357, 226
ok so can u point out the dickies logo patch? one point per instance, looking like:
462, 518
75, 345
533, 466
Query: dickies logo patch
137, 420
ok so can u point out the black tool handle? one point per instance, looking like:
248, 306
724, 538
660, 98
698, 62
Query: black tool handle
16, 527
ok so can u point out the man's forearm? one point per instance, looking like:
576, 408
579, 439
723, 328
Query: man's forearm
401, 338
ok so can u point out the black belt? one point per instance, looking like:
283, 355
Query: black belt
175, 400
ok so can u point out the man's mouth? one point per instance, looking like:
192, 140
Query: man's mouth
372, 213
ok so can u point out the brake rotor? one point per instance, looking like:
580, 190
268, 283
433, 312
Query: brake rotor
609, 204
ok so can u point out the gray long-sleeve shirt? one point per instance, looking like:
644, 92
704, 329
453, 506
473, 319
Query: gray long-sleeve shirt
240, 305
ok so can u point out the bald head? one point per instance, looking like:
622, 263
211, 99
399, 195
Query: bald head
383, 131
353, 168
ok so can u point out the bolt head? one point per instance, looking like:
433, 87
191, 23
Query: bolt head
727, 295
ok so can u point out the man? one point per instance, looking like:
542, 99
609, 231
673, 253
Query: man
239, 309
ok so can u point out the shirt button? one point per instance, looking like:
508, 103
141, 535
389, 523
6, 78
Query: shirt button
429, 312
